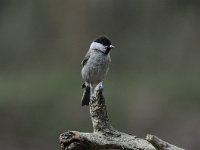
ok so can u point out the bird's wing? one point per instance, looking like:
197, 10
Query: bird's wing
87, 56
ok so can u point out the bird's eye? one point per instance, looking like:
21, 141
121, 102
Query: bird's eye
108, 48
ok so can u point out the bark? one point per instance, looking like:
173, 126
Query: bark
105, 136
160, 144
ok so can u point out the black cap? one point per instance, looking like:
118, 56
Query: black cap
103, 40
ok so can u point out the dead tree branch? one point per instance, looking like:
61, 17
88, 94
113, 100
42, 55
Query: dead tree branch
160, 144
105, 136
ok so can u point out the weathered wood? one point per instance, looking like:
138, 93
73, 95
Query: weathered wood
160, 144
105, 136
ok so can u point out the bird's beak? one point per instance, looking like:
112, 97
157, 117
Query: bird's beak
111, 46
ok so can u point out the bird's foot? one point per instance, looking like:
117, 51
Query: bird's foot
100, 86
91, 96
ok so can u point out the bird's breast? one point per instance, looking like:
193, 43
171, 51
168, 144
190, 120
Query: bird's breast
96, 68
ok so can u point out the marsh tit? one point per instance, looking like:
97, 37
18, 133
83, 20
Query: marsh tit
95, 66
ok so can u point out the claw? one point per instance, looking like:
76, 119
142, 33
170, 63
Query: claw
83, 85
100, 86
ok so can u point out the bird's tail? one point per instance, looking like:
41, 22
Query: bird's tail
85, 100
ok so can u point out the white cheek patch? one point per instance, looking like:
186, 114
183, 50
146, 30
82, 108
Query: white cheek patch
98, 46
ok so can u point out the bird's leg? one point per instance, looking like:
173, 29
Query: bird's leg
100, 85
91, 91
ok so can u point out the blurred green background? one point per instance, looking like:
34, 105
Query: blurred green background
153, 85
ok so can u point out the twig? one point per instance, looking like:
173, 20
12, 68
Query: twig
160, 144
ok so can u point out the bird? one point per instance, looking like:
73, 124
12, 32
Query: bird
95, 66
